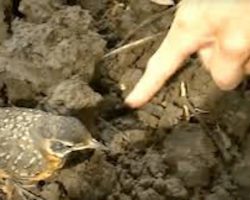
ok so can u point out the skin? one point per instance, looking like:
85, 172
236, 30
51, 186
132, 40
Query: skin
219, 31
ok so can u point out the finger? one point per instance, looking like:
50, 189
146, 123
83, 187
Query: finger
176, 47
205, 55
226, 69
247, 67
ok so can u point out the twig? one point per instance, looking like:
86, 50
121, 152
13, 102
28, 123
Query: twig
183, 94
132, 45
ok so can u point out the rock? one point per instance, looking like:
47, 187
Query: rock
241, 170
127, 185
144, 9
93, 179
73, 94
175, 188
41, 56
172, 187
53, 192
149, 194
39, 11
4, 6
137, 138
155, 164
171, 116
146, 182
148, 118
159, 185
94, 6
18, 90
192, 153
219, 194
153, 109
124, 197
233, 112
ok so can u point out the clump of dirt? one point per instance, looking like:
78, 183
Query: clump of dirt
5, 9
40, 56
58, 59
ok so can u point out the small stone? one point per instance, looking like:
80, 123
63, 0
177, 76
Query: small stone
241, 174
51, 192
171, 116
193, 174
219, 194
155, 164
73, 94
153, 109
136, 168
146, 182
192, 152
175, 188
124, 197
127, 185
148, 119
149, 194
160, 185
137, 138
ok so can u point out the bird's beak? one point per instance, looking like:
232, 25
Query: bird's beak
92, 144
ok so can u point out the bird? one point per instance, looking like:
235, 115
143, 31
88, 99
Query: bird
34, 144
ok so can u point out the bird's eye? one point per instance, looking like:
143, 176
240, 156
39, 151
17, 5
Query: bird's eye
57, 146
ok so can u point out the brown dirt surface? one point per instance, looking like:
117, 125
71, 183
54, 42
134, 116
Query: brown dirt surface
55, 59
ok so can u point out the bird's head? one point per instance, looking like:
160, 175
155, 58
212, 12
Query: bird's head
60, 135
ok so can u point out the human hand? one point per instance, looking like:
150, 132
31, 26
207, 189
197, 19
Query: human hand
218, 30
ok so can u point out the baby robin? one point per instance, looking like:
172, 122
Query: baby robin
34, 144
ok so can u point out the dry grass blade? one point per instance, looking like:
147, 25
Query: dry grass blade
133, 45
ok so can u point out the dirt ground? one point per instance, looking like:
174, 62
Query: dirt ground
56, 57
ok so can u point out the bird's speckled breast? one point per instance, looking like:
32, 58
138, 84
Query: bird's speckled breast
19, 157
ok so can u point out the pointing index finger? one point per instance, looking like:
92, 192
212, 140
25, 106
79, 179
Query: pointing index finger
175, 48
